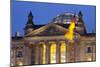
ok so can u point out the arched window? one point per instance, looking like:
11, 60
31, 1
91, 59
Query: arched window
63, 52
53, 53
89, 50
19, 54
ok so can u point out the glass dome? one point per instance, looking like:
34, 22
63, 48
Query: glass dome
65, 18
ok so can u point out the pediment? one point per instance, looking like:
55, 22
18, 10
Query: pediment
48, 30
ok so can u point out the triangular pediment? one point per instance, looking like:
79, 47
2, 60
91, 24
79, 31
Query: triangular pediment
49, 30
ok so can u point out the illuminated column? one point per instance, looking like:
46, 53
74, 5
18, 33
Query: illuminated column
47, 53
77, 52
57, 52
94, 51
37, 54
67, 51
44, 54
40, 53
33, 48
72, 51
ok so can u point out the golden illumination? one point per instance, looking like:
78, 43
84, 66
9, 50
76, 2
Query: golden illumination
12, 64
70, 33
89, 59
63, 52
20, 63
44, 52
53, 53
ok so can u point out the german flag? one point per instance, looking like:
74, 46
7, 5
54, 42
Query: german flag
70, 33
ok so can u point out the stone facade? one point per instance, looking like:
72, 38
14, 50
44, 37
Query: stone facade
47, 44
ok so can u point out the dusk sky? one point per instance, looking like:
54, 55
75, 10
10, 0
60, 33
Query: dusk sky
44, 13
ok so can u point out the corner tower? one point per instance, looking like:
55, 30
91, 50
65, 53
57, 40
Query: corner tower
29, 25
80, 28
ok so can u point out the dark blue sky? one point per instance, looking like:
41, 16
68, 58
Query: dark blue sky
45, 12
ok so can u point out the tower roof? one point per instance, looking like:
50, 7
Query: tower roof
30, 14
80, 13
29, 23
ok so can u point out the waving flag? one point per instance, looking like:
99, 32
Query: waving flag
70, 33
